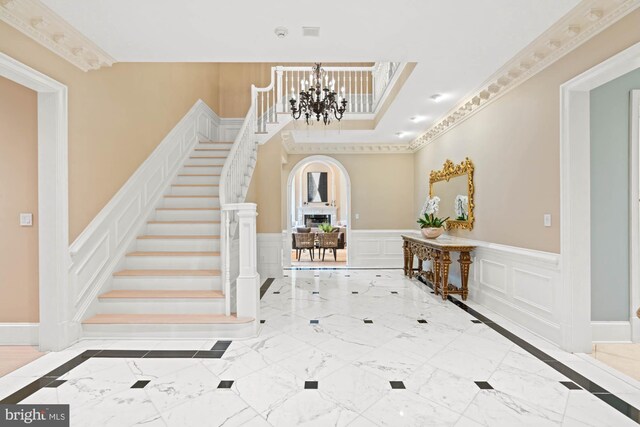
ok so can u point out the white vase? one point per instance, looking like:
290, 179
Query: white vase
432, 232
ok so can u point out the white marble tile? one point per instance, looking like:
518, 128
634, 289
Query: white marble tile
312, 364
354, 388
587, 409
268, 388
442, 387
180, 386
148, 369
214, 408
492, 408
390, 365
346, 347
404, 408
362, 422
310, 408
127, 408
279, 346
236, 363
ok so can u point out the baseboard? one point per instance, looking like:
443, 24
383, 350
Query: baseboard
19, 333
614, 331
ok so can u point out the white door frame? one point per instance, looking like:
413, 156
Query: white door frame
56, 330
634, 217
575, 198
286, 259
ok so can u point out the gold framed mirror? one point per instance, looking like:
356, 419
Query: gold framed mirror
453, 184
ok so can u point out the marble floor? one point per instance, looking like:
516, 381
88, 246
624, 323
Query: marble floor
337, 348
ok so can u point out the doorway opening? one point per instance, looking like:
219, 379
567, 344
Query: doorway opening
318, 214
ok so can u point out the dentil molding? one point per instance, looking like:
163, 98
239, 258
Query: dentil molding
292, 147
33, 18
587, 19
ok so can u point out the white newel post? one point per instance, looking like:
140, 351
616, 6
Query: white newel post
248, 282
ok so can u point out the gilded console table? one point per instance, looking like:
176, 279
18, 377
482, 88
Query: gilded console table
438, 251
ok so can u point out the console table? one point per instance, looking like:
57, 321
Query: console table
438, 251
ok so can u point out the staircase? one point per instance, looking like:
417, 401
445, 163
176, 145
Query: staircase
171, 282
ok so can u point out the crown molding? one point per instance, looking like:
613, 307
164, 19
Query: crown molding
587, 19
33, 18
292, 147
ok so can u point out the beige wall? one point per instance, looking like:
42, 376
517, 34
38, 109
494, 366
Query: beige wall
381, 188
514, 144
18, 193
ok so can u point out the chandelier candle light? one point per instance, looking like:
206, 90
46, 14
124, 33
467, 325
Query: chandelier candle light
316, 100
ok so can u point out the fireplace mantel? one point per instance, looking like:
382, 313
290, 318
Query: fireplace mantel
317, 210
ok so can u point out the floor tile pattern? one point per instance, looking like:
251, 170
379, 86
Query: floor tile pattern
394, 371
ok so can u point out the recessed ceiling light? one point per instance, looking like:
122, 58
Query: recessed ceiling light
281, 32
400, 134
417, 119
436, 97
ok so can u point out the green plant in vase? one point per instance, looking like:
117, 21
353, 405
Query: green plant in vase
430, 225
326, 227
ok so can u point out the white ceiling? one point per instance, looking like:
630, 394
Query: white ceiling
457, 44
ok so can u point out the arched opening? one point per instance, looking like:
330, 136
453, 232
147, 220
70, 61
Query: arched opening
318, 194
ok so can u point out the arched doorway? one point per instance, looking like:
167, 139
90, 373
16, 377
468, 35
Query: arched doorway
296, 206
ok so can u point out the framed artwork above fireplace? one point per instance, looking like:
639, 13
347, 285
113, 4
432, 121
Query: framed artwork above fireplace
317, 187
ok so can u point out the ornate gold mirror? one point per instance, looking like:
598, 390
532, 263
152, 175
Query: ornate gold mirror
454, 186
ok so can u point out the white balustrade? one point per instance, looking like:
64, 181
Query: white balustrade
363, 87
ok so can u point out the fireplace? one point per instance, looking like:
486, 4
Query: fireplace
316, 220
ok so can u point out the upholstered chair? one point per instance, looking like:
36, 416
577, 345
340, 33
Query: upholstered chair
328, 241
304, 241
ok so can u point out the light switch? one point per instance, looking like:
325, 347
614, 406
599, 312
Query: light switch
357, 216
547, 220
26, 219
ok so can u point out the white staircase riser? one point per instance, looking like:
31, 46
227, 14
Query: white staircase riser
225, 145
190, 202
209, 170
175, 331
187, 215
173, 263
177, 229
167, 283
203, 160
160, 305
191, 245
212, 180
194, 191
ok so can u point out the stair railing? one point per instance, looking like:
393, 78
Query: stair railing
363, 87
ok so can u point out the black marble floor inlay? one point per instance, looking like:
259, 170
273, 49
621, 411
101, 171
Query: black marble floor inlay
55, 383
315, 292
354, 292
422, 321
394, 292
169, 354
277, 292
378, 275
265, 286
476, 321
483, 385
314, 322
225, 384
262, 321
311, 385
209, 354
221, 345
140, 384
397, 385
571, 385
368, 321
614, 401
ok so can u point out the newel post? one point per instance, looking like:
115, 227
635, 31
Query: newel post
248, 282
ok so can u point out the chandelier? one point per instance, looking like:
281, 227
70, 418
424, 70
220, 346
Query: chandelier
316, 100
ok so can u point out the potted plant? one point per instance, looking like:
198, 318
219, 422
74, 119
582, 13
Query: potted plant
326, 227
430, 225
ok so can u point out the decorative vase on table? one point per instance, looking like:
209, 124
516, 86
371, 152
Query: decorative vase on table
430, 225
432, 232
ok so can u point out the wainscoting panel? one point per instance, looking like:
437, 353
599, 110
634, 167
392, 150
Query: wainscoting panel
270, 254
520, 284
101, 246
376, 248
